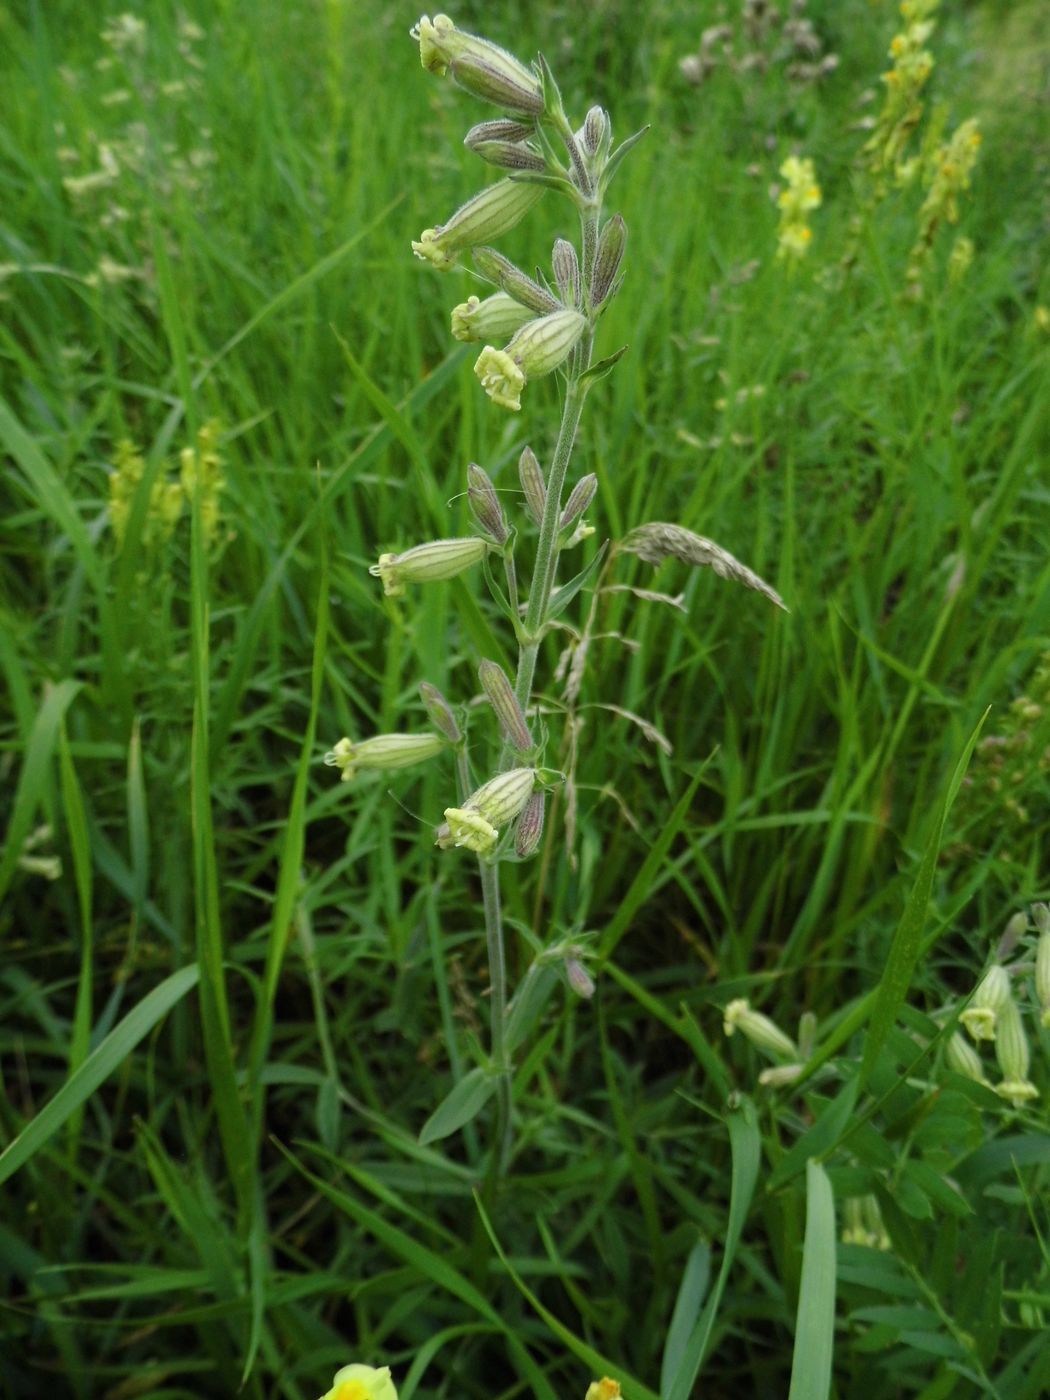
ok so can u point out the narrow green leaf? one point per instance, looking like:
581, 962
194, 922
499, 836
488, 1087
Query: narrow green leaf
459, 1107
692, 1290
98, 1066
815, 1321
907, 941
745, 1142
32, 780
80, 849
821, 1137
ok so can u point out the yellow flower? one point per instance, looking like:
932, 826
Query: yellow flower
605, 1389
362, 1383
382, 751
500, 377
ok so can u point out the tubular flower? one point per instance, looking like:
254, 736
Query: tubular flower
492, 319
759, 1029
538, 348
382, 751
992, 994
362, 1383
428, 563
605, 1389
477, 65
489, 214
478, 822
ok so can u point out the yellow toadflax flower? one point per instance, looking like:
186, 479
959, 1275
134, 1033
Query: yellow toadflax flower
799, 196
358, 1382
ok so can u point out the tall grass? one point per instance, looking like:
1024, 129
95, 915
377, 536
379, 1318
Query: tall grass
225, 1024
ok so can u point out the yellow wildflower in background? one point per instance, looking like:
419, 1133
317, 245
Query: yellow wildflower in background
902, 104
201, 472
165, 497
605, 1389
799, 196
947, 175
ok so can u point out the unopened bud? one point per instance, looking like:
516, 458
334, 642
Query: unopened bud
1016, 928
993, 992
485, 504
566, 271
807, 1034
611, 244
1042, 972
530, 475
439, 711
502, 129
495, 318
530, 826
962, 1058
1011, 1043
428, 563
489, 214
513, 281
596, 129
580, 980
759, 1029
501, 697
580, 497
780, 1076
508, 155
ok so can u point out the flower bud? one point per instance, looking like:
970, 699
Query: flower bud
501, 697
1042, 971
759, 1029
382, 751
508, 155
495, 318
362, 1383
580, 497
1011, 1043
477, 65
596, 129
962, 1058
780, 1076
502, 129
580, 980
478, 822
484, 503
537, 349
492, 212
807, 1034
530, 475
566, 271
513, 281
611, 244
1016, 928
428, 563
530, 826
993, 991
439, 712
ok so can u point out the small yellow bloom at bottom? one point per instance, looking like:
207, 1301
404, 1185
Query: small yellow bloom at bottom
358, 1382
500, 377
794, 241
605, 1389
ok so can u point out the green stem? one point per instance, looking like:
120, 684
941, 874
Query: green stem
498, 994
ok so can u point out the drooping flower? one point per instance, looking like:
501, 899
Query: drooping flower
477, 824
739, 1015
495, 318
539, 347
382, 751
491, 213
477, 65
428, 563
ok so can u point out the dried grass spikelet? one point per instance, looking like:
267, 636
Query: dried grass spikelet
658, 540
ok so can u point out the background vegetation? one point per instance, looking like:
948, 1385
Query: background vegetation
258, 983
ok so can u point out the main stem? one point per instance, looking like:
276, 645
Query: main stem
535, 615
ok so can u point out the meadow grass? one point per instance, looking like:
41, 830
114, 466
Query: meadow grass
226, 1022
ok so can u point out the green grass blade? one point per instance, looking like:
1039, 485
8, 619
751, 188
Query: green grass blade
696, 1276
745, 1140
32, 780
80, 848
98, 1066
460, 1106
815, 1324
907, 941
